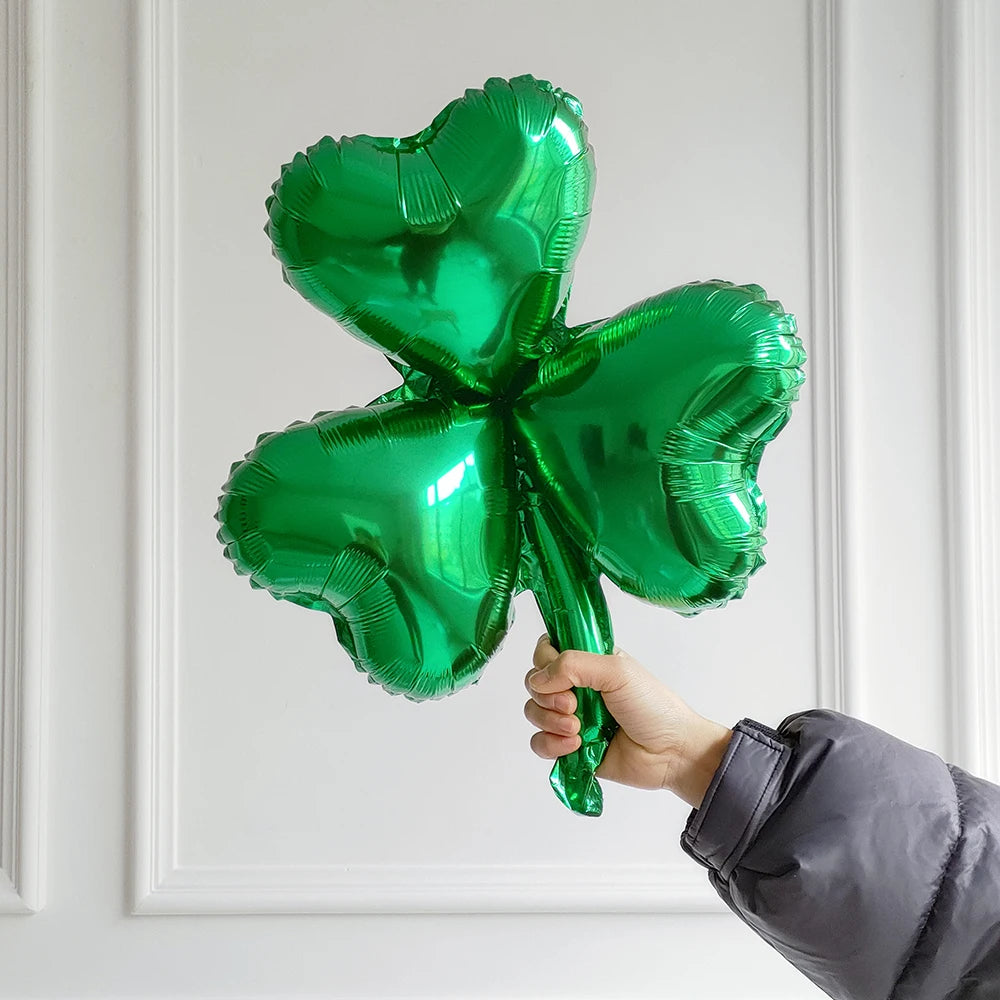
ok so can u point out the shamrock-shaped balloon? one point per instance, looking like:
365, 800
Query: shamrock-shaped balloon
517, 452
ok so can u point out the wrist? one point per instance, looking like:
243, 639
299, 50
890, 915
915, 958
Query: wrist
697, 759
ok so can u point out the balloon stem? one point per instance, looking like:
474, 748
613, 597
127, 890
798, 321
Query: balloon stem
572, 604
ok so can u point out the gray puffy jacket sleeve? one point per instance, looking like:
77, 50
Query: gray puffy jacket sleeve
872, 866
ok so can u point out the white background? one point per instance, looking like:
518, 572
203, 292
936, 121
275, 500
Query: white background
199, 796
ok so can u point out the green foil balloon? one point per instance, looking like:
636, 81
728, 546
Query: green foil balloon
517, 453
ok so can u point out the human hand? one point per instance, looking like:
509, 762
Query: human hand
661, 742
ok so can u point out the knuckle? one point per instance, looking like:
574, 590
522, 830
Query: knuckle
551, 746
567, 702
625, 671
567, 662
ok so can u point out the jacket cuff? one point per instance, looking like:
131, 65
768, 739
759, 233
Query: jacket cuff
739, 799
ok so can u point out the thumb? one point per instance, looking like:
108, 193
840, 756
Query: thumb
575, 668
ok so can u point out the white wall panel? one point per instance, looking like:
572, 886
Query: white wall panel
250, 797
211, 751
971, 161
888, 306
21, 483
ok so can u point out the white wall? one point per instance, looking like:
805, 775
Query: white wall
174, 743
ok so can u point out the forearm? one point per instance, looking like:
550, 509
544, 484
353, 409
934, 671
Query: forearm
696, 761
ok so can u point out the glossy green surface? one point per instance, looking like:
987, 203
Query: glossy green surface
450, 250
645, 434
516, 453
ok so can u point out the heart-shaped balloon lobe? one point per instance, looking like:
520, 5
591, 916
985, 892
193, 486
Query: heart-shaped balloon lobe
644, 438
400, 521
450, 250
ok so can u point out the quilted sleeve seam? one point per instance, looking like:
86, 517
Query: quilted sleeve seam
942, 879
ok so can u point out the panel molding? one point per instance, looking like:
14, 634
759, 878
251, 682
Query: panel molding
389, 888
160, 884
154, 584
972, 363
833, 430
22, 785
